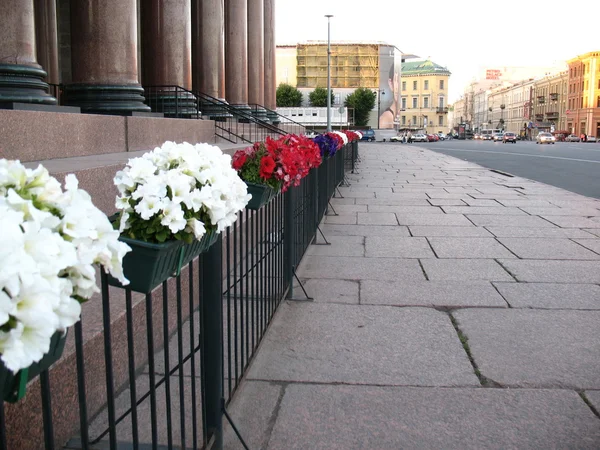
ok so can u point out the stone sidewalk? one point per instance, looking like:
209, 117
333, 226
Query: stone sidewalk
456, 308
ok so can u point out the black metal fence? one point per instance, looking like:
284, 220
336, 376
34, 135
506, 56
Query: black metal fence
157, 370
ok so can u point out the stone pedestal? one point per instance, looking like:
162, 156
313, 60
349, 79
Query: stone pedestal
104, 58
21, 77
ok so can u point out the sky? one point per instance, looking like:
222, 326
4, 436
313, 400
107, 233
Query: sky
464, 36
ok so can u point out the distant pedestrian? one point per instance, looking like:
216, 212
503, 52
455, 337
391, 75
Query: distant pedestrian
409, 137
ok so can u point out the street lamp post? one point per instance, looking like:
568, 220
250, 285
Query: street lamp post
329, 16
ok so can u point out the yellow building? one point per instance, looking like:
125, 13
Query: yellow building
424, 96
583, 103
286, 59
549, 102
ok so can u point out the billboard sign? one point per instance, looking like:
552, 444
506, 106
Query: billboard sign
493, 74
390, 98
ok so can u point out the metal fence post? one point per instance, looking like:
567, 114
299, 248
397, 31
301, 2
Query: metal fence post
212, 323
288, 243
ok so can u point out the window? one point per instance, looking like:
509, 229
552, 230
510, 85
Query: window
414, 103
404, 85
441, 121
425, 121
414, 120
403, 103
441, 84
441, 102
598, 82
426, 102
598, 102
426, 85
403, 120
414, 85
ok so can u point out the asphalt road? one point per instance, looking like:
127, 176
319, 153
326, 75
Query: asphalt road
572, 166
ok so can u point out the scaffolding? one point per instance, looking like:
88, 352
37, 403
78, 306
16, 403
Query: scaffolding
352, 65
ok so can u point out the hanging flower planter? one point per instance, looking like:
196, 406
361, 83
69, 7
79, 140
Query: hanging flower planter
50, 242
174, 202
14, 385
261, 195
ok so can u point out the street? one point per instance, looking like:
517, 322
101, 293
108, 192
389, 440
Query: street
572, 166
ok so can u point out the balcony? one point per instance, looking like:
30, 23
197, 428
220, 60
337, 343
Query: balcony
442, 110
541, 99
539, 117
554, 96
552, 115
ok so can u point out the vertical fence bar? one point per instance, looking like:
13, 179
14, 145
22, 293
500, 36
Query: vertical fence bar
2, 427
261, 263
212, 324
228, 269
248, 285
235, 308
243, 324
81, 395
47, 410
151, 371
180, 361
131, 354
110, 389
253, 279
193, 354
167, 357
289, 243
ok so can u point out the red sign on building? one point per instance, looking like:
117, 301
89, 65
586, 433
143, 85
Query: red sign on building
492, 74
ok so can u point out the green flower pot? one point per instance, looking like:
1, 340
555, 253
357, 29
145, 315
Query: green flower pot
261, 195
190, 251
14, 385
148, 265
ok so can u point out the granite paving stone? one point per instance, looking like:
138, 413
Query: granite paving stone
479, 202
347, 219
399, 247
470, 247
325, 417
534, 348
553, 271
594, 398
557, 211
393, 201
402, 195
432, 231
542, 232
495, 210
330, 291
363, 230
500, 220
592, 244
571, 221
447, 202
343, 201
377, 218
348, 209
441, 195
419, 347
406, 209
594, 231
430, 293
432, 219
356, 268
340, 246
542, 248
551, 295
251, 411
465, 270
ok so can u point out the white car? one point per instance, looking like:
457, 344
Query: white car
419, 138
396, 139
545, 138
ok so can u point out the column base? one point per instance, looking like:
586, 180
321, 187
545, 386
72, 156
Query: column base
106, 98
172, 102
273, 117
215, 110
24, 84
260, 113
245, 110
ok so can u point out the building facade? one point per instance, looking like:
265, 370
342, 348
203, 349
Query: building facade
583, 101
549, 102
424, 90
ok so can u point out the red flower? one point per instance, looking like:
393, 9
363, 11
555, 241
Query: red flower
239, 159
267, 166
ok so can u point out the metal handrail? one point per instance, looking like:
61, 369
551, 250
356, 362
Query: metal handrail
287, 119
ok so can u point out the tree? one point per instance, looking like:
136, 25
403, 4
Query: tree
318, 97
363, 102
288, 96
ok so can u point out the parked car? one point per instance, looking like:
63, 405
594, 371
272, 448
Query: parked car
498, 137
591, 139
432, 138
509, 137
396, 139
545, 138
442, 136
368, 135
572, 138
419, 138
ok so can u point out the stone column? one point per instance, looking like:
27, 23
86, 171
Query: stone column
104, 58
167, 56
21, 77
236, 53
269, 66
47, 38
256, 57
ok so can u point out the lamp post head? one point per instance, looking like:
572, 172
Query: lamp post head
328, 15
